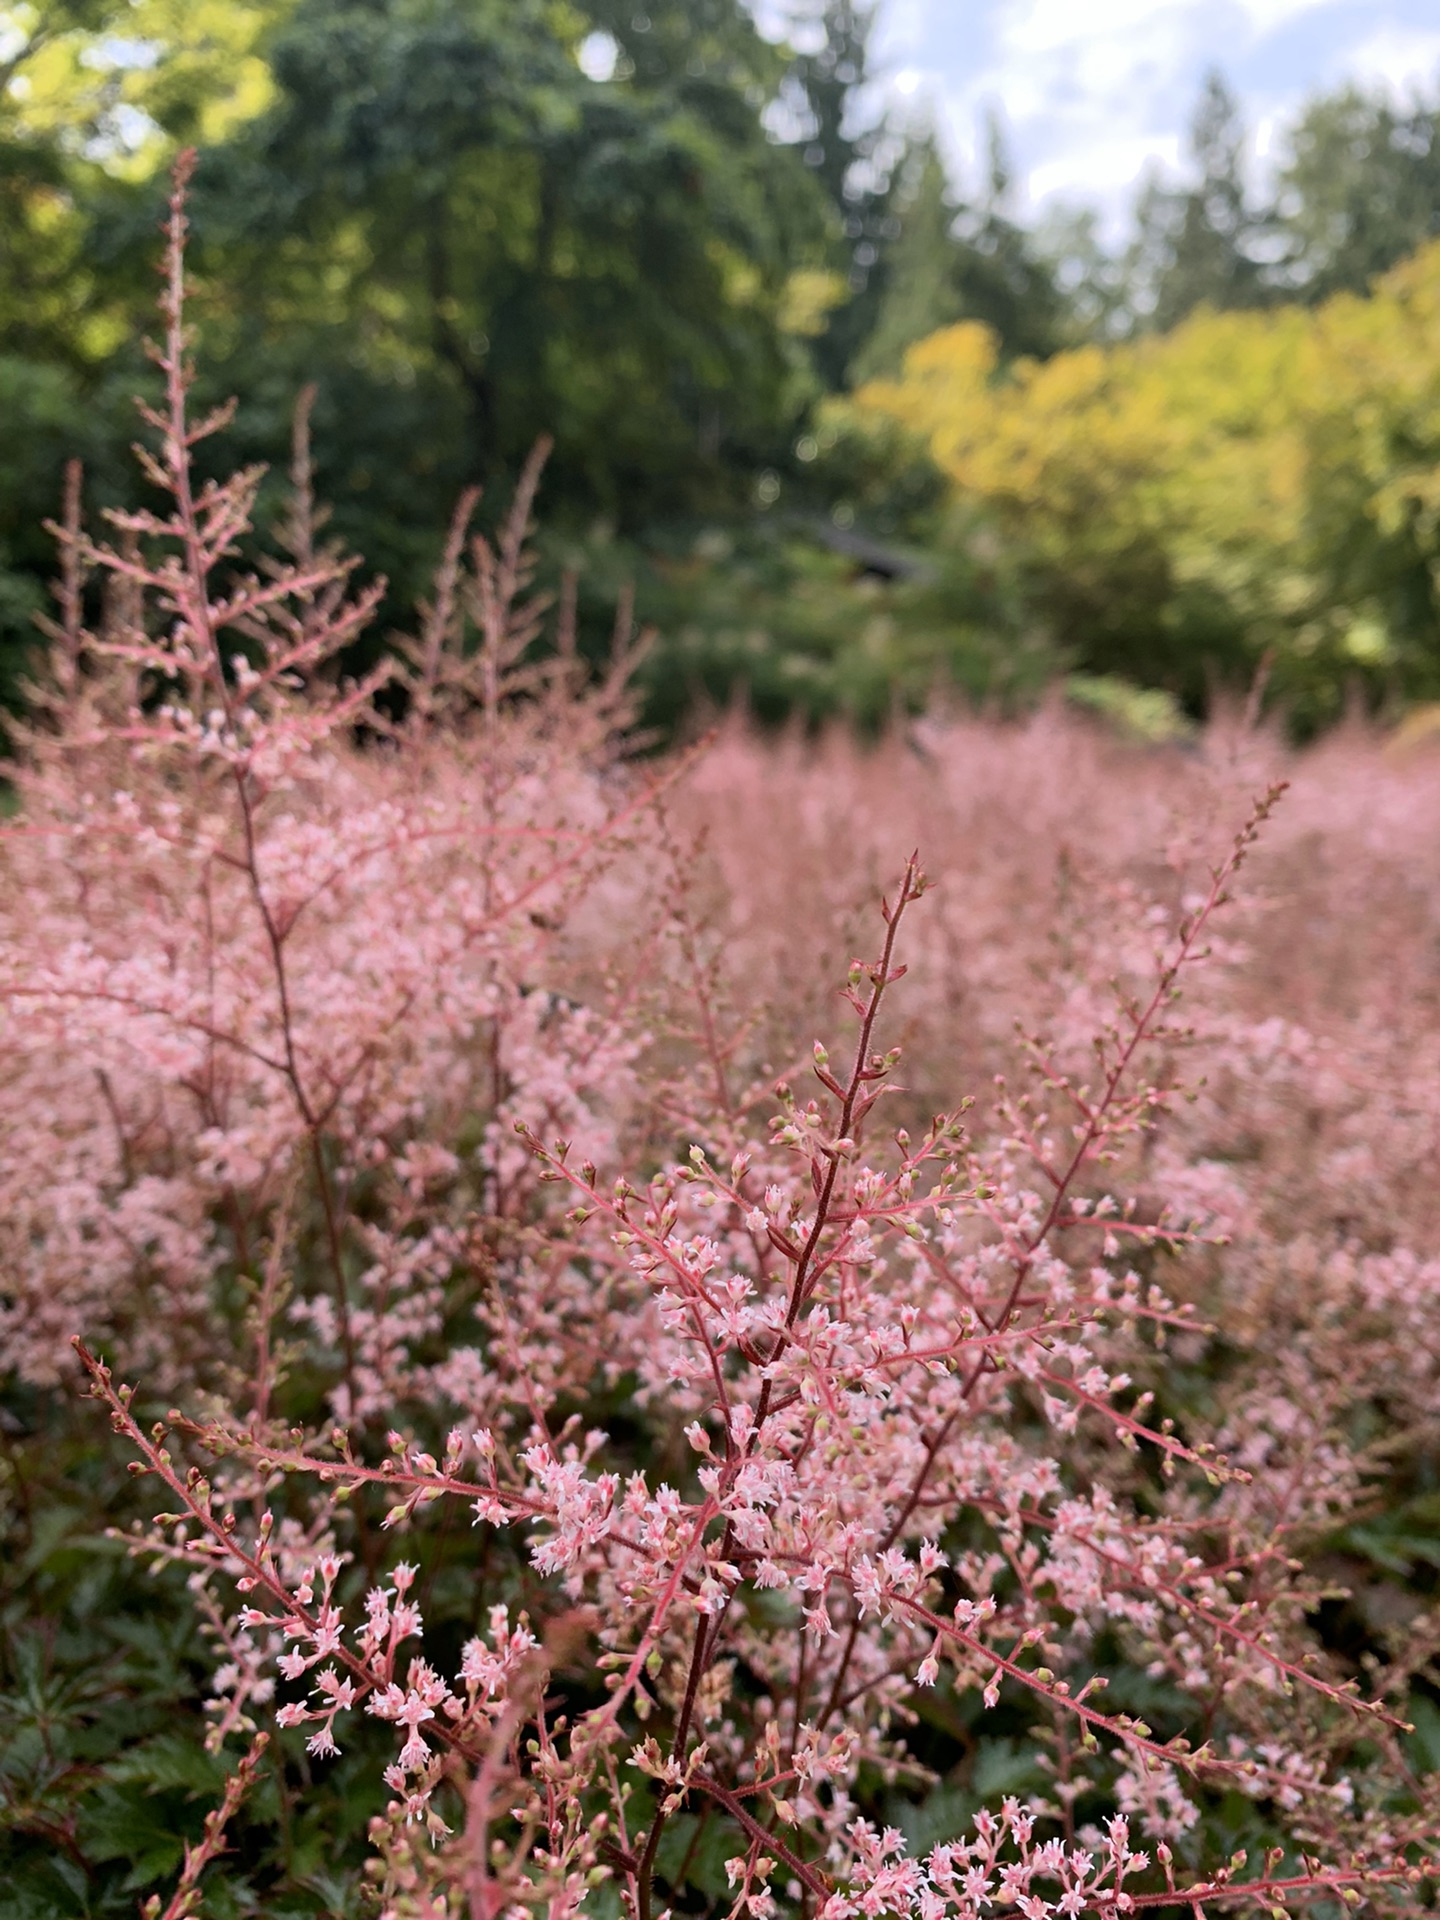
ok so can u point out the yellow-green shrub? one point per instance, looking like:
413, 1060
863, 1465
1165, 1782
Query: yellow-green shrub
1249, 484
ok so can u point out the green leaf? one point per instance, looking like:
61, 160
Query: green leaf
1424, 1743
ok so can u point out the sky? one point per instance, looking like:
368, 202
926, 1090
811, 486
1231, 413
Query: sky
1091, 91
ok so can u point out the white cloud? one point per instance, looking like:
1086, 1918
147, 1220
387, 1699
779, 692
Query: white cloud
1264, 16
1102, 167
1078, 88
1400, 58
1050, 26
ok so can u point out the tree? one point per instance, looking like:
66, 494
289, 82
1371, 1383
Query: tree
1089, 276
953, 261
1360, 189
857, 157
57, 316
919, 291
708, 52
830, 71
94, 94
469, 242
1193, 245
123, 81
1002, 278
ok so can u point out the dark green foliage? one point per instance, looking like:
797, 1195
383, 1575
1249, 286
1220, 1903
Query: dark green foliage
103, 1773
789, 627
829, 73
442, 208
52, 414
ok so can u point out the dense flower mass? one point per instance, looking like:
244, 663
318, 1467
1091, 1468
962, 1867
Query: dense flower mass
404, 1084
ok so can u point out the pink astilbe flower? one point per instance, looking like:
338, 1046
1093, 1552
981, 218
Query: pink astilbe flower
847, 1395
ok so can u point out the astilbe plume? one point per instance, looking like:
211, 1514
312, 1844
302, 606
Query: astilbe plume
265, 952
401, 1055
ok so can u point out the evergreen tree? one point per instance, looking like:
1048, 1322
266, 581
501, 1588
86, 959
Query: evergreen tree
830, 72
1001, 276
1090, 278
920, 293
853, 154
1197, 245
952, 261
706, 52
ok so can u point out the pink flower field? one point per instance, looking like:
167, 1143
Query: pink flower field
678, 1354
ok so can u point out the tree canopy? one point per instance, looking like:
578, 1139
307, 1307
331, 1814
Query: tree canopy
440, 200
654, 233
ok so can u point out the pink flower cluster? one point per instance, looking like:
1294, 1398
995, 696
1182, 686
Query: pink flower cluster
418, 1044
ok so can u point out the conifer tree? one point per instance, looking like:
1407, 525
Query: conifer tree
954, 260
1193, 245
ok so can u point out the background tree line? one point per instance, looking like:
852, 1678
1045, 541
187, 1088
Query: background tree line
666, 240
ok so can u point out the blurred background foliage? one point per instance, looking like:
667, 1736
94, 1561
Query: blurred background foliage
1252, 485
856, 430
